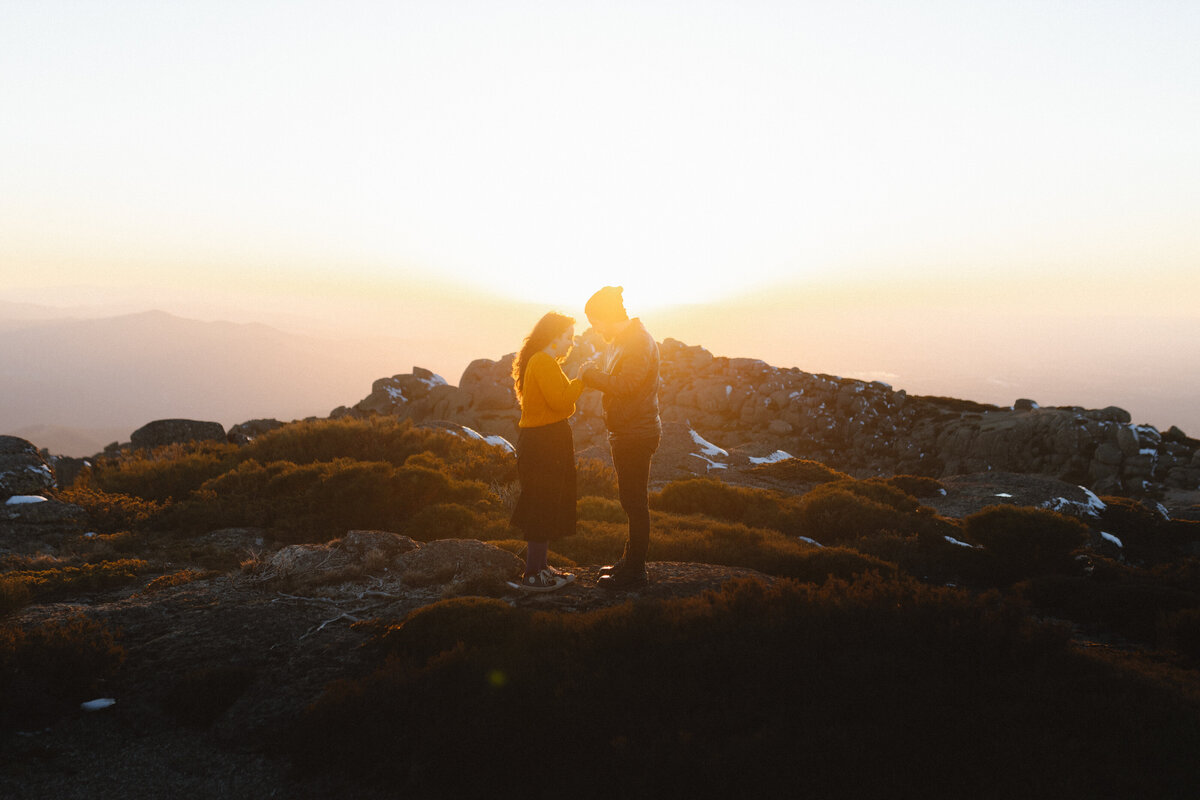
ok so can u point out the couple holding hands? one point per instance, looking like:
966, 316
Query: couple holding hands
545, 510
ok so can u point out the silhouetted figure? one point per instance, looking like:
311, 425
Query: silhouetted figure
545, 448
630, 385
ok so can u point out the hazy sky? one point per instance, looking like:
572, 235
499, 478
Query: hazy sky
293, 156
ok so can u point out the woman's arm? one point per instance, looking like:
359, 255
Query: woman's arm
559, 392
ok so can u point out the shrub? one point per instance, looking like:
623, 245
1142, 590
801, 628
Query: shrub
1180, 631
1144, 533
1026, 541
594, 478
112, 512
47, 669
600, 509
166, 473
833, 514
445, 521
917, 485
386, 439
180, 578
774, 690
755, 507
798, 471
201, 696
85, 577
324, 499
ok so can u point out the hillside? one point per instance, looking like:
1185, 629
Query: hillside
319, 608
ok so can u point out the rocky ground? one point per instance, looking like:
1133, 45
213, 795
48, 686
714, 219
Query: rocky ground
285, 623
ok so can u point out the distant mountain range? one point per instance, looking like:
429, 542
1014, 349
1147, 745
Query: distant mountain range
73, 385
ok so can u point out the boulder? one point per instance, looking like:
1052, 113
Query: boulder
246, 432
176, 431
23, 470
457, 564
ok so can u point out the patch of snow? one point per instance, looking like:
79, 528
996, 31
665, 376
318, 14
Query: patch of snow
436, 380
1112, 539
40, 469
711, 465
24, 499
811, 541
942, 492
778, 455
396, 394
1148, 451
98, 704
90, 535
707, 447
796, 394
1092, 506
728, 390
1161, 509
494, 440
1003, 494
952, 540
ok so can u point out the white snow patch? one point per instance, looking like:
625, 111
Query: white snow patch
942, 492
707, 447
396, 394
436, 380
1112, 539
952, 540
1003, 494
1161, 509
40, 469
494, 440
24, 499
97, 704
90, 535
778, 455
1090, 507
811, 541
728, 390
710, 463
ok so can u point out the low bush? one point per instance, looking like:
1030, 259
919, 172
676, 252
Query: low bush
113, 512
322, 500
600, 509
446, 521
164, 474
1027, 541
1144, 533
84, 577
834, 514
1180, 631
917, 485
46, 670
777, 690
387, 439
798, 471
202, 695
594, 478
755, 507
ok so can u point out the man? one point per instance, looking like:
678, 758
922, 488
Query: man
630, 387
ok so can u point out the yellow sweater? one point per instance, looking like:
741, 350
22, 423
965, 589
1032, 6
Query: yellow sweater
548, 395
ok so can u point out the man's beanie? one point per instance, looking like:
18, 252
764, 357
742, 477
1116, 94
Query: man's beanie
606, 305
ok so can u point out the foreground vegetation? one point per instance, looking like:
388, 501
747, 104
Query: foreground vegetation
894, 650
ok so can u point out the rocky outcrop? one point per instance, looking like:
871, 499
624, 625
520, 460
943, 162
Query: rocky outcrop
749, 409
23, 470
246, 432
176, 431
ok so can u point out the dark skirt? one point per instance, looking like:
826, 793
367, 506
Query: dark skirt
546, 466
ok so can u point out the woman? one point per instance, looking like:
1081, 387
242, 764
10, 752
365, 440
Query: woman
545, 448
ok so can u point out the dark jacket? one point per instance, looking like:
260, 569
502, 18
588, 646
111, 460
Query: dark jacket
630, 385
